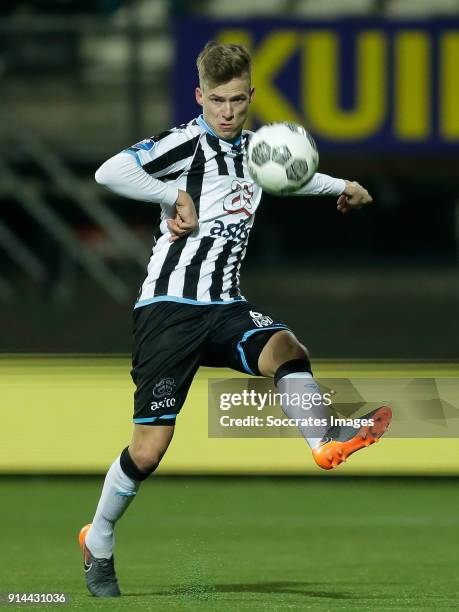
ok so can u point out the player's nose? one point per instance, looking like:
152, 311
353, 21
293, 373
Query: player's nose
228, 111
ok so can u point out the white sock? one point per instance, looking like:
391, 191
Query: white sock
118, 492
299, 384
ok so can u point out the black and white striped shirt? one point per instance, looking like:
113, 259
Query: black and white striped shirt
204, 266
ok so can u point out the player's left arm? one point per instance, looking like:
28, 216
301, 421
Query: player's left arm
351, 195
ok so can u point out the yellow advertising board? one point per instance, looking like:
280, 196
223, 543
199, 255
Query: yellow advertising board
66, 414
356, 84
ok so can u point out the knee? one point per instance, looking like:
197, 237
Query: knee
148, 446
145, 458
288, 347
282, 347
136, 466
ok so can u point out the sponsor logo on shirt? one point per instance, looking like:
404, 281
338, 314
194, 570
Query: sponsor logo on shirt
240, 198
233, 231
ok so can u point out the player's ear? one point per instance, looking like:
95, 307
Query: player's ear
198, 94
252, 93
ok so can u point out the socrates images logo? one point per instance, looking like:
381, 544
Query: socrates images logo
164, 387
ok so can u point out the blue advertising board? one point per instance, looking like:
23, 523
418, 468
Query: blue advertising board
357, 85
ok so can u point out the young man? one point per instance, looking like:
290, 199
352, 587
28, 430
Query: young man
190, 311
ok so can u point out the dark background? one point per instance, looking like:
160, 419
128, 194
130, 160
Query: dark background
81, 80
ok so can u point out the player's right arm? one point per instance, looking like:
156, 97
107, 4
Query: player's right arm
186, 219
136, 173
123, 175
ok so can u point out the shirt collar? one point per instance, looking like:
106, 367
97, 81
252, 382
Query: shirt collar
235, 142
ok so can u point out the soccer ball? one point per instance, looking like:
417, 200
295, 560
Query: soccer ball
282, 157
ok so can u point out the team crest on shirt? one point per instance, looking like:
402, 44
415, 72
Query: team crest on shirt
240, 198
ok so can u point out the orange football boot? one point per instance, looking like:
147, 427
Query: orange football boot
331, 451
100, 574
82, 537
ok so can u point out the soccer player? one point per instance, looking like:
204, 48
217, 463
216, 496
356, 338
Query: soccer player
190, 311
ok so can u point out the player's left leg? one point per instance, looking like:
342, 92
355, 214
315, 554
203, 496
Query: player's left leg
285, 359
252, 341
247, 340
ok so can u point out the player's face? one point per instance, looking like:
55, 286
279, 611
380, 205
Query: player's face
225, 107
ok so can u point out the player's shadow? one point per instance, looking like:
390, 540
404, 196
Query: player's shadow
305, 589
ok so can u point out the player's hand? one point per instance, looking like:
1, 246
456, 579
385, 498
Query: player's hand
354, 196
185, 220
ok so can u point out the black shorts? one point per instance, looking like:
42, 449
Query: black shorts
172, 339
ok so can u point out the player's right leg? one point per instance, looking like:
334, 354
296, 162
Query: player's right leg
123, 479
168, 340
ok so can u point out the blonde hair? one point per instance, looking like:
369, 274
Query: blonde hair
218, 64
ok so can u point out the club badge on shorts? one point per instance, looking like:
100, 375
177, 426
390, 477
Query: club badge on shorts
164, 387
259, 319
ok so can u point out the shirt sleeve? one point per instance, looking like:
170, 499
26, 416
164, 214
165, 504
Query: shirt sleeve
123, 175
147, 170
322, 184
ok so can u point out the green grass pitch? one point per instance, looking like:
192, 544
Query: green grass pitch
242, 544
